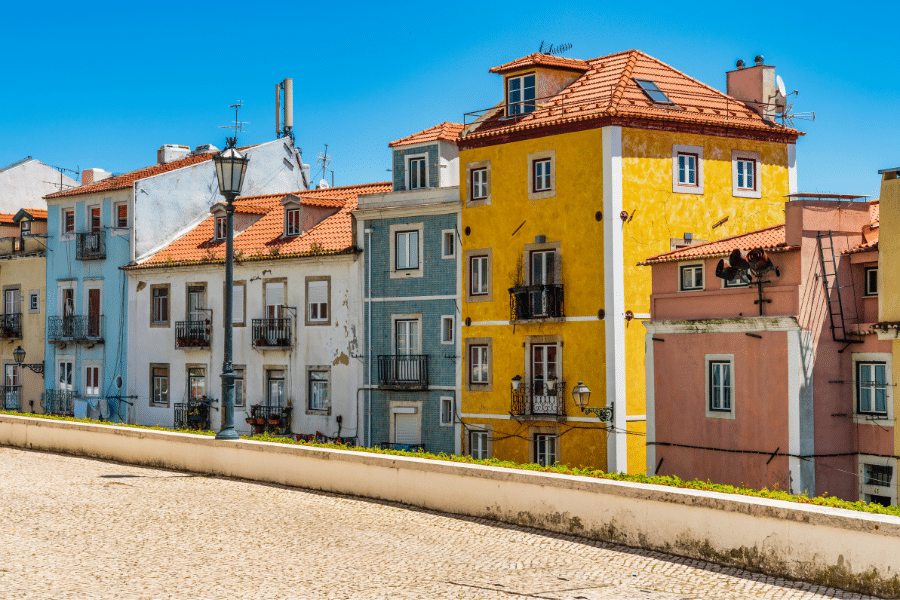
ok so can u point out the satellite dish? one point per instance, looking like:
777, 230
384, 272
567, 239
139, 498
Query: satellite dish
780, 95
780, 83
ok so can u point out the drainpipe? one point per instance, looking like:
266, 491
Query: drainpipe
368, 232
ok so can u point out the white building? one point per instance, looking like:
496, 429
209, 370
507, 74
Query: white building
24, 183
297, 313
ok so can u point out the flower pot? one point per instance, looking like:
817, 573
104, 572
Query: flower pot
257, 429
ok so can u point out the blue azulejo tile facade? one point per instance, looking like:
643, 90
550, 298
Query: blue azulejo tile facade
400, 164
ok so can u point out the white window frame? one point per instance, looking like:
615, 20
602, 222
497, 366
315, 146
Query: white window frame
708, 360
153, 388
479, 355
407, 161
98, 388
115, 229
319, 320
34, 301
541, 172
445, 402
89, 218
485, 443
221, 228
531, 159
479, 183
523, 105
325, 406
404, 273
293, 229
872, 418
448, 324
745, 282
869, 289
448, 241
536, 448
63, 234
479, 280
745, 192
867, 489
683, 188
691, 265
471, 201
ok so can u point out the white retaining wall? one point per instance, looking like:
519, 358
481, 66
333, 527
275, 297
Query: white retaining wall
836, 547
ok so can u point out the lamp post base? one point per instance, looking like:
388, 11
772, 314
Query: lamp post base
228, 434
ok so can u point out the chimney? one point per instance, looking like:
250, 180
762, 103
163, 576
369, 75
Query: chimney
205, 149
89, 176
170, 152
755, 86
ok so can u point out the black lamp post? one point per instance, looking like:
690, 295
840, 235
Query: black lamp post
581, 394
19, 357
230, 168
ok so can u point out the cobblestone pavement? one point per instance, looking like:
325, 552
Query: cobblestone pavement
78, 528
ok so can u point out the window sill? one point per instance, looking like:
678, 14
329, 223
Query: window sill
720, 414
746, 193
688, 189
881, 420
320, 413
407, 273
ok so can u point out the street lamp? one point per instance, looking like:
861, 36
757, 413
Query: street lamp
581, 394
230, 168
19, 357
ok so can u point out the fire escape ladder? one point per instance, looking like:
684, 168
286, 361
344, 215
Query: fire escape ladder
832, 283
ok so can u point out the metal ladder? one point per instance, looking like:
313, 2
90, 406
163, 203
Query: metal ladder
833, 288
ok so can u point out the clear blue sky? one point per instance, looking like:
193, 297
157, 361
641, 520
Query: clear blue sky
106, 85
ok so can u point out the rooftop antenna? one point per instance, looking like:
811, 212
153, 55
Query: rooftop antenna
288, 131
552, 50
62, 170
237, 126
783, 109
325, 159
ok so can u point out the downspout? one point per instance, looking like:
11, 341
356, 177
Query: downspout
368, 232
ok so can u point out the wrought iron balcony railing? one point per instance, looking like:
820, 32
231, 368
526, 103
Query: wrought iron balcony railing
78, 328
274, 334
11, 397
90, 246
60, 402
536, 302
192, 334
403, 371
539, 399
11, 326
270, 418
193, 414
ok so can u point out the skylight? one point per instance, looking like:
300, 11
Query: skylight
653, 92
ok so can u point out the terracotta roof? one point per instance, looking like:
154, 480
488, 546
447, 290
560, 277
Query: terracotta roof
770, 239
441, 131
36, 214
875, 211
543, 60
7, 219
864, 247
250, 209
607, 89
263, 239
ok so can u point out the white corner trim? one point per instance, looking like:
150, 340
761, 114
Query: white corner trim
795, 367
792, 168
650, 402
740, 325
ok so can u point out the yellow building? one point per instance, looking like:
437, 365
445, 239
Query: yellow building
23, 281
585, 168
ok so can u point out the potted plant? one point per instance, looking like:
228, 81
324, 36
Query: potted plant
516, 382
551, 385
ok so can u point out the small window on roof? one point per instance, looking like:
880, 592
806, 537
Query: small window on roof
653, 92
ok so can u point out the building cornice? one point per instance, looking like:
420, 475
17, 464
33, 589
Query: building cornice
739, 325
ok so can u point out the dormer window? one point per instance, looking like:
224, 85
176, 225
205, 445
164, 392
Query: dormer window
221, 228
652, 91
520, 94
292, 226
417, 175
24, 227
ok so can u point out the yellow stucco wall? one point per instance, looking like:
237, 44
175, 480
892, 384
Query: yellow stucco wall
26, 273
512, 220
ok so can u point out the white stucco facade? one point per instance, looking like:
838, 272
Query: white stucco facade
24, 183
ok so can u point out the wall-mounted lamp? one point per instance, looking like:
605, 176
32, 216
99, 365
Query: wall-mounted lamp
581, 394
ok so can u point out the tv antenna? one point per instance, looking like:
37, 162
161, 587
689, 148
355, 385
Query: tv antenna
325, 159
783, 109
62, 170
554, 50
238, 126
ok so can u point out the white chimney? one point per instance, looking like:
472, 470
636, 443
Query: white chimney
205, 149
89, 176
170, 152
754, 85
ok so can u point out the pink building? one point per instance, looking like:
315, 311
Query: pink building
779, 381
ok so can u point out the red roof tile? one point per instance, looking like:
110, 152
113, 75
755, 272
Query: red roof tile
770, 239
608, 89
264, 239
7, 219
543, 60
37, 214
441, 131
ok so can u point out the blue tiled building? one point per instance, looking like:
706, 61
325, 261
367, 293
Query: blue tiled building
411, 297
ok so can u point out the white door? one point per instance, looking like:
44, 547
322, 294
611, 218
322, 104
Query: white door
543, 376
542, 273
407, 345
11, 387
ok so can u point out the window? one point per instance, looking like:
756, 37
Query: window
221, 228
239, 292
418, 178
446, 411
520, 94
720, 386
745, 181
34, 301
746, 174
687, 169
24, 228
196, 303
92, 381
69, 220
275, 388
407, 426
447, 329
448, 243
317, 293
275, 295
871, 281
160, 305
407, 250
878, 480
159, 384
12, 301
239, 386
196, 382
11, 387
65, 380
478, 445
541, 175
871, 388
121, 216
318, 390
479, 183
652, 91
545, 452
740, 281
293, 222
691, 277
95, 223
478, 364
478, 275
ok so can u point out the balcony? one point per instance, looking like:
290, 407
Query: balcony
536, 302
90, 246
403, 372
539, 400
271, 334
79, 328
192, 334
60, 402
270, 418
11, 397
193, 414
11, 326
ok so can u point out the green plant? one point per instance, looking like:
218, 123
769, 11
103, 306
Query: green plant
316, 247
274, 251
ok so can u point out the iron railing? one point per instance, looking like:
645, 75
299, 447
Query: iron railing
270, 418
60, 402
403, 371
193, 414
539, 399
404, 447
271, 333
90, 246
78, 328
11, 396
11, 326
192, 334
536, 302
